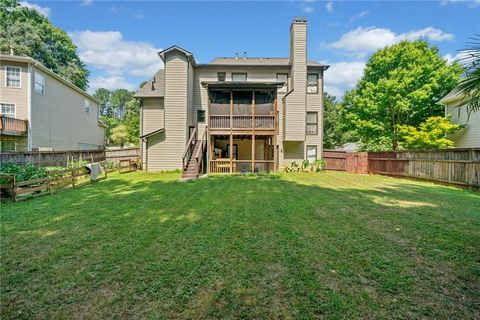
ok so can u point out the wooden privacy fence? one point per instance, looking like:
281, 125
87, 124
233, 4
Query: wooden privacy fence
453, 166
54, 180
52, 158
115, 155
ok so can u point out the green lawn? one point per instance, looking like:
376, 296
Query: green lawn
329, 245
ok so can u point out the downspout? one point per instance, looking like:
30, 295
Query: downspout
29, 107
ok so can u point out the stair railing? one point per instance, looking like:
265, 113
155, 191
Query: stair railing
187, 154
200, 153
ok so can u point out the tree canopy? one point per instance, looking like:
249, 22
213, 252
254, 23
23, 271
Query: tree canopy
31, 34
402, 85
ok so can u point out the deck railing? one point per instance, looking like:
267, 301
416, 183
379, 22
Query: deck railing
13, 126
237, 122
241, 166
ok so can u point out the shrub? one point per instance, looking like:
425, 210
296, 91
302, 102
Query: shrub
23, 172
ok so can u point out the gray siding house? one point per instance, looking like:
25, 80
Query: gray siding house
40, 110
233, 115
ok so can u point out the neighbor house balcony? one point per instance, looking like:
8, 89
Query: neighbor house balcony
12, 126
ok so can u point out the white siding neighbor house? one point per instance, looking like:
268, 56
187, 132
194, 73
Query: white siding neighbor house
233, 115
455, 105
42, 111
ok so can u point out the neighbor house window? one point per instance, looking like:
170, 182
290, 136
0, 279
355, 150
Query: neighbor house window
8, 110
312, 83
283, 77
221, 76
312, 122
86, 106
6, 146
39, 83
12, 76
200, 115
239, 77
311, 153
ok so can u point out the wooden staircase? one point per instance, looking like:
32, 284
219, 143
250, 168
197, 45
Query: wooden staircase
193, 161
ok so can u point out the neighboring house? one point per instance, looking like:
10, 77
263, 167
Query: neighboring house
242, 114
455, 105
42, 111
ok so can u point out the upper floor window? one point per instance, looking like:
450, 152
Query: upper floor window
86, 106
221, 76
200, 115
312, 83
8, 110
12, 76
311, 153
312, 122
239, 77
39, 83
283, 77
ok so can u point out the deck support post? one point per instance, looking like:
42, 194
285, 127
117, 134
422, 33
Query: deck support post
231, 132
253, 153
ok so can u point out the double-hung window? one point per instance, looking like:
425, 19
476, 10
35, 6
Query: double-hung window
8, 110
239, 77
311, 153
200, 116
39, 83
312, 123
12, 76
283, 77
312, 83
86, 106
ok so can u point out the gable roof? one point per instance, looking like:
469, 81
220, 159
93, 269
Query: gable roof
158, 88
162, 53
37, 64
453, 96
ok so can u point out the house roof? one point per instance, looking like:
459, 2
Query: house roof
162, 53
453, 96
155, 90
257, 62
26, 59
151, 133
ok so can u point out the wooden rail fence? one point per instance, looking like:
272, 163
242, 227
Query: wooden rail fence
60, 158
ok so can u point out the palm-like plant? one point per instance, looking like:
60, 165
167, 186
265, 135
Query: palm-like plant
470, 84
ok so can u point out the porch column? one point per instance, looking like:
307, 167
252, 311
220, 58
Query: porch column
253, 153
231, 131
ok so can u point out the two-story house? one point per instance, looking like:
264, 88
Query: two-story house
233, 115
42, 111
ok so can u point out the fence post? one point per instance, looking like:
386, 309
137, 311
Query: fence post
14, 193
73, 178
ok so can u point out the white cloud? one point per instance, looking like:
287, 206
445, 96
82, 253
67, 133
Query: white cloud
108, 51
364, 40
42, 10
460, 57
308, 9
86, 3
471, 4
342, 76
329, 6
359, 16
110, 83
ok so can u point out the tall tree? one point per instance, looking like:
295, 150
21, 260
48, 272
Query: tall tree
132, 120
402, 85
118, 102
334, 133
103, 96
32, 34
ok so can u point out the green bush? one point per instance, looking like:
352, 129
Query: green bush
110, 165
23, 172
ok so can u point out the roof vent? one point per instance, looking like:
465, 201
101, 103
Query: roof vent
236, 55
244, 55
153, 84
12, 50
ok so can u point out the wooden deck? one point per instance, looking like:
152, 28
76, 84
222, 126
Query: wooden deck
12, 126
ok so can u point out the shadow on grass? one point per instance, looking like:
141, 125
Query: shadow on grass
263, 246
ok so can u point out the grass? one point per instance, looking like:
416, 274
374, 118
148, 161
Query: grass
330, 245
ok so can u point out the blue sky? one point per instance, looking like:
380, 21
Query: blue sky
118, 40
